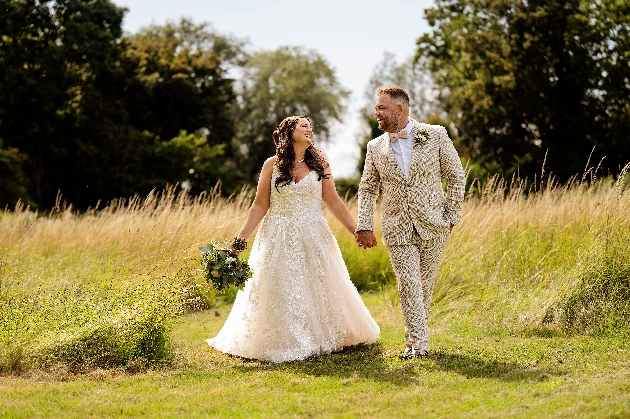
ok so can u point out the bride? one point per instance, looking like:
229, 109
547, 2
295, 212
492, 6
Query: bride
300, 301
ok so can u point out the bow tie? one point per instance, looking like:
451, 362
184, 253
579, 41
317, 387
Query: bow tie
394, 137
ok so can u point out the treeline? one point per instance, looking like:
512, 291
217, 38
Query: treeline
526, 87
93, 113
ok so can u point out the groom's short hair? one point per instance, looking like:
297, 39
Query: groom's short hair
398, 94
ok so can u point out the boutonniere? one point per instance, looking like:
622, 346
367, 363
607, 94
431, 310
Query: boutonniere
420, 137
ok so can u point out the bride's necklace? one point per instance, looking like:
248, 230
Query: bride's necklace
299, 161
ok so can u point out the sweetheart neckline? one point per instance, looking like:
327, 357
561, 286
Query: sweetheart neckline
305, 176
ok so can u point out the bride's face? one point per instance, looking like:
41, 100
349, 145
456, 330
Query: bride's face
303, 133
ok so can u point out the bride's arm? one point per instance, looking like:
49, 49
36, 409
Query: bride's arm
335, 205
261, 203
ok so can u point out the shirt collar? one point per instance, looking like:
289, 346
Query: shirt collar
407, 127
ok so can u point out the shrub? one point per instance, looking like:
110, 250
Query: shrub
599, 303
115, 342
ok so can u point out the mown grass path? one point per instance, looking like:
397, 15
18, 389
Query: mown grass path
468, 375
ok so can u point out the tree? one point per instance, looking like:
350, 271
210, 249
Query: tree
51, 56
277, 84
12, 179
182, 72
534, 79
96, 115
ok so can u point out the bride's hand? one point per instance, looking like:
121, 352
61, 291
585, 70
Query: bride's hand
238, 245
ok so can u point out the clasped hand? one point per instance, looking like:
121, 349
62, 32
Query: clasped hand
236, 252
365, 239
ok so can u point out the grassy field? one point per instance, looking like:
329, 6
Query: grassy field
104, 314
468, 375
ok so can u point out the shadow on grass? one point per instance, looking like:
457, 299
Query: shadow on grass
372, 362
476, 366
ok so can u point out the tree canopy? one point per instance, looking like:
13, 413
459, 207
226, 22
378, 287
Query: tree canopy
527, 80
183, 102
94, 114
54, 57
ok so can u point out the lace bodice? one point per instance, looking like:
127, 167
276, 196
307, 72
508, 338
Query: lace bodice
299, 201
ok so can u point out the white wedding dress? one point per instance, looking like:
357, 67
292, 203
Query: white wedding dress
300, 301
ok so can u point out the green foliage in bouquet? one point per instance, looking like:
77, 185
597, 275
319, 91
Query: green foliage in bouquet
222, 267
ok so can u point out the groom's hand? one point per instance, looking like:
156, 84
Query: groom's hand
365, 239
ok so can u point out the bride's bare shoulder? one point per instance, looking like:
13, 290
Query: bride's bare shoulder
268, 166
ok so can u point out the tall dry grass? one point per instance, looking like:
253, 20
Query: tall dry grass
100, 288
525, 256
161, 229
520, 256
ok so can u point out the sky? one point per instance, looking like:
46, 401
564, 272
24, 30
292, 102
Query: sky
352, 35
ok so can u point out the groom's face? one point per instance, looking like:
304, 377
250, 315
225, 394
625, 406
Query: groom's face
387, 113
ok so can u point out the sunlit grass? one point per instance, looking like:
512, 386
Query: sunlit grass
519, 255
101, 289
467, 376
117, 275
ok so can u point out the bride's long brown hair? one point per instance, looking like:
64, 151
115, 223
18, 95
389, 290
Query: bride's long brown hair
285, 153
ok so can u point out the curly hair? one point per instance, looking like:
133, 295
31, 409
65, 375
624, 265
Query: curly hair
285, 153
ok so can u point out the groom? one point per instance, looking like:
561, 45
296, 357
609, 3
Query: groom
408, 163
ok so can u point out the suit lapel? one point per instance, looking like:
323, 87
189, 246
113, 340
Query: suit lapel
416, 150
392, 164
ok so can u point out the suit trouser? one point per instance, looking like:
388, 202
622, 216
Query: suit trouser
416, 266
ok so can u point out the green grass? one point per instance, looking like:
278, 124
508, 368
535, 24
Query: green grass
105, 314
468, 375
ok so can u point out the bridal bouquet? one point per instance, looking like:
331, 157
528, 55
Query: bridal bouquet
222, 267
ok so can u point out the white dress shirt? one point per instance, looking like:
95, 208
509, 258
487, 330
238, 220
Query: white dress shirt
402, 149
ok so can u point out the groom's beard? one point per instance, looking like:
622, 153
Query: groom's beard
389, 124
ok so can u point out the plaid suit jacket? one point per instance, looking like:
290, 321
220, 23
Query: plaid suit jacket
417, 204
